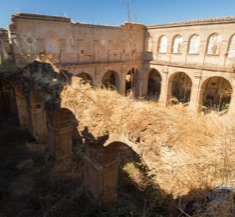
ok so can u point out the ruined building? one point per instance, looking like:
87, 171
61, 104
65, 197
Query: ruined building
191, 63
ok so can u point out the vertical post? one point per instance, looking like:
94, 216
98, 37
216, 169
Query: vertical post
163, 99
195, 99
101, 173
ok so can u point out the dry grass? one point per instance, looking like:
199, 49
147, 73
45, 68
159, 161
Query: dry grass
183, 150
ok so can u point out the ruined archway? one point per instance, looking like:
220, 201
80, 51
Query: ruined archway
180, 85
61, 133
215, 94
86, 78
111, 80
154, 84
8, 108
101, 169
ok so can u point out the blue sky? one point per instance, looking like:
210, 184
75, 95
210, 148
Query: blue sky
114, 12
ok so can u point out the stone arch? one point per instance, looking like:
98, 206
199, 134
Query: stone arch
8, 107
194, 44
213, 44
162, 44
215, 94
111, 80
179, 88
102, 165
231, 47
177, 43
37, 116
132, 82
86, 78
154, 84
61, 133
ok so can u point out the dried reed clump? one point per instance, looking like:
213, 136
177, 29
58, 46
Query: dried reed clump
182, 150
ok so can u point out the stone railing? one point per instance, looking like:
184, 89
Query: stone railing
88, 58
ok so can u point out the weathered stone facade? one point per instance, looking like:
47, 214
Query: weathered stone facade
190, 63
195, 66
203, 50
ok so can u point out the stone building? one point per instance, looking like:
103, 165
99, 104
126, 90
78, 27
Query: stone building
195, 61
187, 62
191, 63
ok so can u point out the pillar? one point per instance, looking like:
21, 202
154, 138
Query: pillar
231, 109
164, 96
101, 173
195, 98
61, 124
22, 107
38, 117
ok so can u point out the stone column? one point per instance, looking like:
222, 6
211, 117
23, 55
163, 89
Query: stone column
122, 87
163, 99
231, 109
38, 117
60, 127
101, 173
22, 107
195, 98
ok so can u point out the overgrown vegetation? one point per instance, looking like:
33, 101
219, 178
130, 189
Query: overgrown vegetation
33, 185
187, 157
180, 180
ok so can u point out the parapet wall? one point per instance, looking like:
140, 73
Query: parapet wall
76, 42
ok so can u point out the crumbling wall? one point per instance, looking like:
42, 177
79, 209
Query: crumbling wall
75, 42
5, 50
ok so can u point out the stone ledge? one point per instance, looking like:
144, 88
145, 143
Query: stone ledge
210, 21
40, 17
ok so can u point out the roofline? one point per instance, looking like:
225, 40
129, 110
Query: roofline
65, 19
210, 21
40, 17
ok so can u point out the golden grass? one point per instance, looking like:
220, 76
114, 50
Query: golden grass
183, 150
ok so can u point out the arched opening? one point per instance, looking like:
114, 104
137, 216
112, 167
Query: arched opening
115, 166
213, 45
8, 108
111, 80
131, 80
149, 44
162, 47
231, 48
215, 94
194, 44
180, 88
177, 44
62, 135
154, 84
86, 78
116, 170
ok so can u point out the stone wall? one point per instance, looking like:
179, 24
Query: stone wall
195, 52
5, 50
156, 54
76, 43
